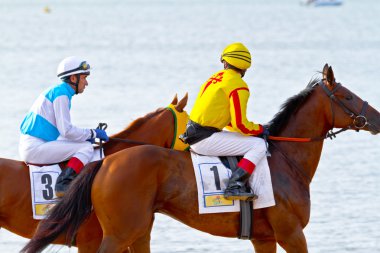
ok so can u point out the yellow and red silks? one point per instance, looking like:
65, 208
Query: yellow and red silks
222, 102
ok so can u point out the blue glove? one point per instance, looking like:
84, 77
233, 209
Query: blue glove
91, 140
101, 134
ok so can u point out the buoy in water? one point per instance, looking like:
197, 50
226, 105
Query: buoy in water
47, 9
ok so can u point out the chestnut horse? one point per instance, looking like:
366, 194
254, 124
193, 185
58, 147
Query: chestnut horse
135, 183
16, 214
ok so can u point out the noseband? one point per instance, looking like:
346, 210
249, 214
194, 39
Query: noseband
359, 120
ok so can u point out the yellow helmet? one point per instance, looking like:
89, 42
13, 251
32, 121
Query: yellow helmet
237, 55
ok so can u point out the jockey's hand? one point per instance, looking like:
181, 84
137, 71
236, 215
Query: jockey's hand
265, 133
101, 134
92, 140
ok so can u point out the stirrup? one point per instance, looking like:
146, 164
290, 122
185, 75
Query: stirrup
245, 196
62, 188
60, 194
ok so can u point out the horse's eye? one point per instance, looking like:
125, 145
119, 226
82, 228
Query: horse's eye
348, 97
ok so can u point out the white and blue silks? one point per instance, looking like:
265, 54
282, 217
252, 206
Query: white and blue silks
47, 135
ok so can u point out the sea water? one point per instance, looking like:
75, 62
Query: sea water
143, 52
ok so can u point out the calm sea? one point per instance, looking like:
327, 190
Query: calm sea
143, 52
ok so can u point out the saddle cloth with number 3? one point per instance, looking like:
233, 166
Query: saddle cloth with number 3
42, 183
212, 179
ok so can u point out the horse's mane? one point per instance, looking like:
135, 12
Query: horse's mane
291, 106
137, 124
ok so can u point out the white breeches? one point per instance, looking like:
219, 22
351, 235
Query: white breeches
35, 150
227, 143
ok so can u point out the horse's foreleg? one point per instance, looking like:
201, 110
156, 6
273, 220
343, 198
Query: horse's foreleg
142, 244
111, 244
293, 242
265, 246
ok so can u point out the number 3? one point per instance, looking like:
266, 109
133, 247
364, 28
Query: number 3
47, 181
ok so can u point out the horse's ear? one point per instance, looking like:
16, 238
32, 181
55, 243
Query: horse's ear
182, 103
175, 100
330, 79
324, 71
328, 76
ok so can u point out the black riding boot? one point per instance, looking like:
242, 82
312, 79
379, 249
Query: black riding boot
63, 181
236, 186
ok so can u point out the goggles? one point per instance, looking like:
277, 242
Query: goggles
83, 66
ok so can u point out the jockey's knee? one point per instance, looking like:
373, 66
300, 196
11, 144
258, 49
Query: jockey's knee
85, 152
257, 152
262, 145
259, 146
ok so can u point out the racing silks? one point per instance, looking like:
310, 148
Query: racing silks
222, 102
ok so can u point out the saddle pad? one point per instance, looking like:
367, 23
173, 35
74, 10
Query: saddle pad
212, 179
42, 182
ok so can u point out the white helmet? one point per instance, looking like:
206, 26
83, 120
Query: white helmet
72, 65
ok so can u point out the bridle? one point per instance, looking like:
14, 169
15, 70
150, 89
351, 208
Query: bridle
359, 120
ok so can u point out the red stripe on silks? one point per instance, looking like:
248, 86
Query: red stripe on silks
246, 165
75, 164
238, 116
236, 90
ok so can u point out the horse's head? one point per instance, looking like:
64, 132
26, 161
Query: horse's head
347, 110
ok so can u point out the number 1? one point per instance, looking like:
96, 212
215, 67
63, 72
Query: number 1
216, 176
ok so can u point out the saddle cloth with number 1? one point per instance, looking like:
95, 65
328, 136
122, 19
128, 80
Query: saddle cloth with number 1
212, 179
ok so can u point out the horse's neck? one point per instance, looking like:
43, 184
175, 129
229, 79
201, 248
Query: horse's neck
114, 146
308, 122
144, 134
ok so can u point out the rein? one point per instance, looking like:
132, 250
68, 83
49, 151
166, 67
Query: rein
128, 141
179, 126
330, 135
104, 126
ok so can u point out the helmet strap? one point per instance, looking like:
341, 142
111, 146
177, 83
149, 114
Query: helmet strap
76, 84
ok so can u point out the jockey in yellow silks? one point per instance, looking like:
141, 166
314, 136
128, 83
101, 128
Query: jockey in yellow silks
222, 103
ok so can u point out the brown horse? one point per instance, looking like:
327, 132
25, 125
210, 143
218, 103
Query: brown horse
16, 215
135, 183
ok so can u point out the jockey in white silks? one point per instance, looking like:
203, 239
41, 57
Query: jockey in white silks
47, 134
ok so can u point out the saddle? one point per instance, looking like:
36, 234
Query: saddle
62, 165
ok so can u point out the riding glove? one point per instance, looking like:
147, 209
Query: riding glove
101, 134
